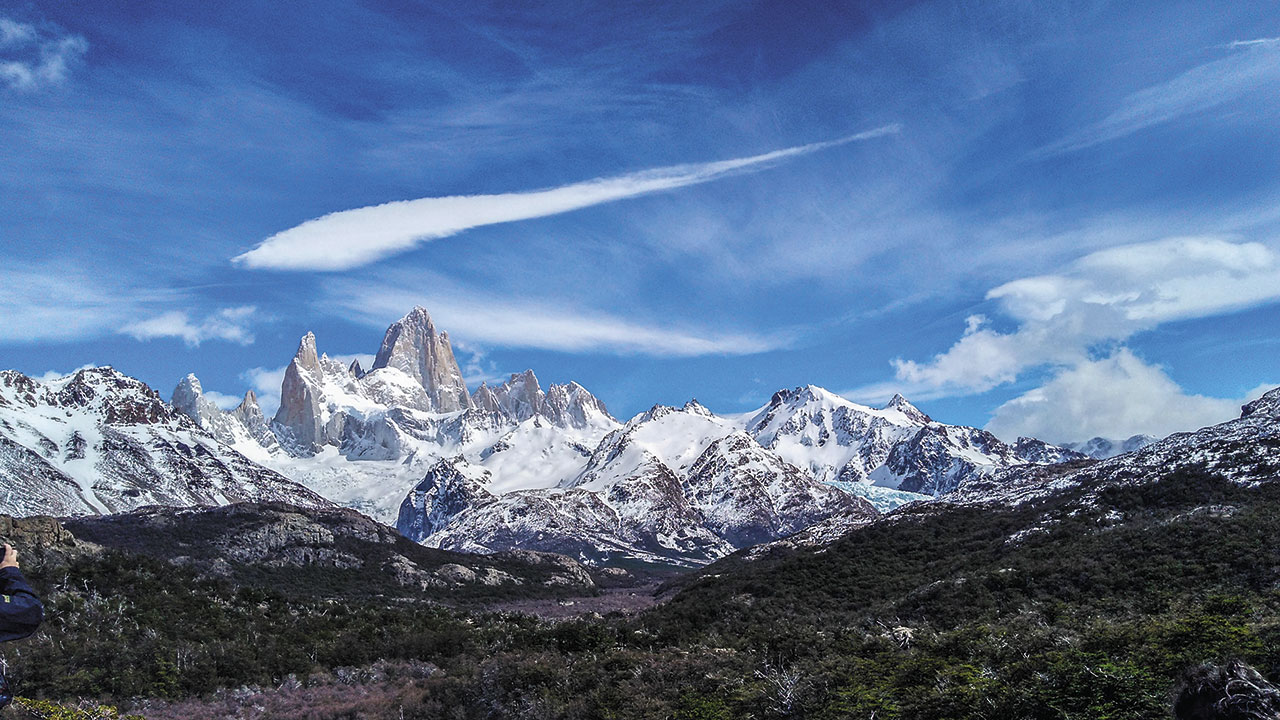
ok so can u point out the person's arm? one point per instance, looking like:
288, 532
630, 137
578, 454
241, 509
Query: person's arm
20, 609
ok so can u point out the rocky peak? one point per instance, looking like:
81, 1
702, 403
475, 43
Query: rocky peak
485, 399
115, 397
572, 405
448, 488
298, 417
902, 405
696, 408
249, 403
521, 396
355, 369
657, 412
188, 397
1038, 451
413, 346
250, 416
16, 387
306, 357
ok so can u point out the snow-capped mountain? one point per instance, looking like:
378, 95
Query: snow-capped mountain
98, 441
517, 465
1100, 448
896, 446
672, 485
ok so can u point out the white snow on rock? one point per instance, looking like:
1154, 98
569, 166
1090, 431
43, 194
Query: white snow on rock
98, 441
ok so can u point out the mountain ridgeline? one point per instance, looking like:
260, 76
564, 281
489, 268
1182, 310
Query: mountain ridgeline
511, 465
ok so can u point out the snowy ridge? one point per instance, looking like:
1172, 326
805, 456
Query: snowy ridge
1244, 450
98, 442
896, 446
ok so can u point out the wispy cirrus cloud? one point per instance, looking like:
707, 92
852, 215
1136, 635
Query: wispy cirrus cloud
62, 302
479, 319
230, 324
55, 302
1252, 67
352, 238
32, 58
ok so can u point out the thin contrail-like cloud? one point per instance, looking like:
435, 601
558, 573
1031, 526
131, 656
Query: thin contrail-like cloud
351, 238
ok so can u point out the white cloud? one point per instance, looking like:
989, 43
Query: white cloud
351, 238
1253, 67
266, 385
476, 319
51, 375
222, 400
31, 59
1256, 41
1106, 296
1115, 397
366, 359
230, 324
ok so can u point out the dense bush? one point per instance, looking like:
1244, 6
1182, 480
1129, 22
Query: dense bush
1086, 605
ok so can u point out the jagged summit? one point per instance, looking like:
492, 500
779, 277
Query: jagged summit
306, 356
250, 401
904, 406
414, 346
693, 406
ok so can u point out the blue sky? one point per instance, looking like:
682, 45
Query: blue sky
1057, 221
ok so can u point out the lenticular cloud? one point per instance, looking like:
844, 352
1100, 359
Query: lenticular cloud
351, 238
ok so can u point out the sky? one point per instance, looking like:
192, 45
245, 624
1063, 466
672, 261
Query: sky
1059, 220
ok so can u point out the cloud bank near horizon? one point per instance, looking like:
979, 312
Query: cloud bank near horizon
482, 320
1075, 323
351, 238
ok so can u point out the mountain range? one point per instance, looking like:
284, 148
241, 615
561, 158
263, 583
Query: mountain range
512, 465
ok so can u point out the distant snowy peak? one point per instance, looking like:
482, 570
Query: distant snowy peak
243, 423
1100, 448
818, 416
749, 495
521, 397
413, 346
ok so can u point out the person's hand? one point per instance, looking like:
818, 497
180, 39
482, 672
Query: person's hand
10, 557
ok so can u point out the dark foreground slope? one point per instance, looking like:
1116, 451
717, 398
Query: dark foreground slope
1084, 601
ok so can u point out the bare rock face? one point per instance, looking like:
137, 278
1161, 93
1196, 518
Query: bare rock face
446, 491
520, 397
413, 346
299, 417
249, 414
245, 421
41, 540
